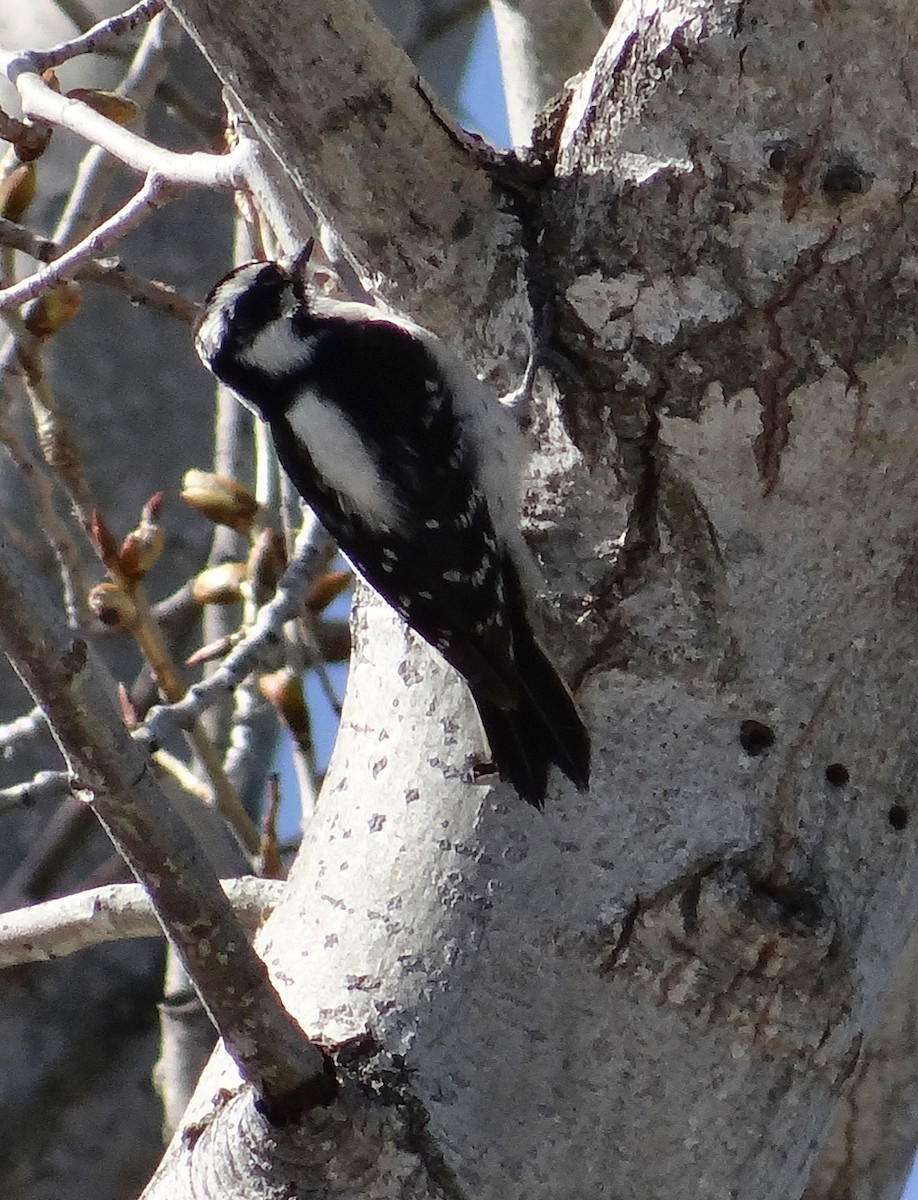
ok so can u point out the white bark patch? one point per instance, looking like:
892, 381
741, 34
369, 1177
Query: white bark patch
656, 312
668, 304
599, 301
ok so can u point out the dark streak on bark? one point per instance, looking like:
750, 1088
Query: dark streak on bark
772, 386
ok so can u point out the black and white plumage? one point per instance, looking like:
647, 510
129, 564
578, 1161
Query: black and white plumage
413, 466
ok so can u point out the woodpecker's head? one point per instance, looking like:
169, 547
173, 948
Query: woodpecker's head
248, 331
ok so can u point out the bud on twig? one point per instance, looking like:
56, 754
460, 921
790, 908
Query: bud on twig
117, 108
221, 584
221, 500
142, 547
128, 709
327, 588
54, 309
104, 542
112, 605
266, 564
17, 191
283, 690
219, 648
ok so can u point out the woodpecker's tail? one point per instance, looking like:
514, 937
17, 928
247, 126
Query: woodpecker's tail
544, 727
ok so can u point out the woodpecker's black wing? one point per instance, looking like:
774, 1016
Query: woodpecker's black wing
431, 550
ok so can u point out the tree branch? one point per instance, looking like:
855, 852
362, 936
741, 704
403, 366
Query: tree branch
541, 44
156, 191
42, 103
94, 38
59, 927
151, 292
46, 785
286, 605
112, 775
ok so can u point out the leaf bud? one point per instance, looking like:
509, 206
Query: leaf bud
112, 605
221, 500
221, 584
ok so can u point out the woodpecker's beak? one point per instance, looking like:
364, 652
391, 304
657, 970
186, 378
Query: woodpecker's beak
297, 268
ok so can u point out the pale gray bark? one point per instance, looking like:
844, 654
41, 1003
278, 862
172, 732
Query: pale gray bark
871, 1144
407, 192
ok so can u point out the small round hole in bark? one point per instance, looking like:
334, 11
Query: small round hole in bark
897, 816
755, 737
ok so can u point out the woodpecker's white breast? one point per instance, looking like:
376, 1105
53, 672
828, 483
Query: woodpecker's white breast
343, 459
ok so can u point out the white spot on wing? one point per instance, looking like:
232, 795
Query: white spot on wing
343, 460
278, 350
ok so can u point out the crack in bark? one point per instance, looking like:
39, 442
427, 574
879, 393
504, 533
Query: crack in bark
776, 411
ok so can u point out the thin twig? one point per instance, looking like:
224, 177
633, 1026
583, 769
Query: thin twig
193, 169
57, 841
266, 630
46, 785
56, 928
57, 443
28, 140
89, 42
150, 292
112, 775
83, 206
22, 729
152, 645
73, 580
155, 193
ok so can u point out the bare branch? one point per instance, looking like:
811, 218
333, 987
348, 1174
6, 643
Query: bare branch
541, 44
150, 292
156, 192
29, 141
56, 928
433, 227
52, 525
193, 169
55, 438
46, 785
112, 775
90, 41
22, 728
